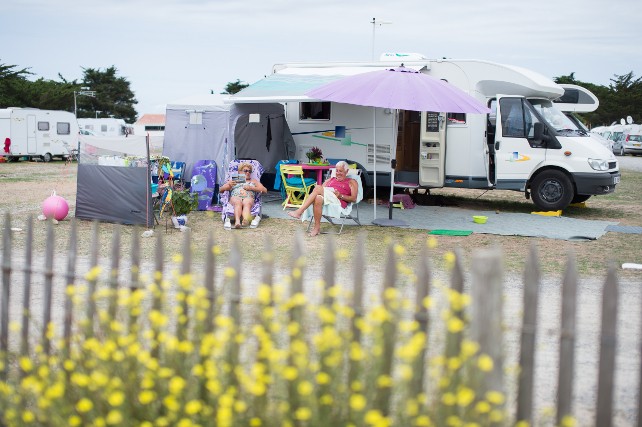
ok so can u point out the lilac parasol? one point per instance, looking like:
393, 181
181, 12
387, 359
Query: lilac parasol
400, 89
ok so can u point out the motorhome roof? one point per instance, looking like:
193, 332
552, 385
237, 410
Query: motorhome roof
290, 81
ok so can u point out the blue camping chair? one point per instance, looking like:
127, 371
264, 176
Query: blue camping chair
178, 171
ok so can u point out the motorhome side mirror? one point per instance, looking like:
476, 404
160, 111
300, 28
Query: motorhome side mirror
538, 130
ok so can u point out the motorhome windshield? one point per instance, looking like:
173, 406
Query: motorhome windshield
555, 118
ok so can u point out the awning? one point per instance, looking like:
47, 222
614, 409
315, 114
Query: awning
291, 84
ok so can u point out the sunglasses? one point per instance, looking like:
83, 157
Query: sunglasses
247, 170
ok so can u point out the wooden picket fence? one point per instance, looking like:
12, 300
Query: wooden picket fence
485, 312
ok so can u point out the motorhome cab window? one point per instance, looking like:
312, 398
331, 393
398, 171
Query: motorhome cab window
456, 118
43, 126
63, 128
517, 118
314, 111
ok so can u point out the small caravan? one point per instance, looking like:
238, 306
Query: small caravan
525, 144
106, 126
37, 134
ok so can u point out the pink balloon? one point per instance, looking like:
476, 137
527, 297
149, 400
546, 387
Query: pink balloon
55, 207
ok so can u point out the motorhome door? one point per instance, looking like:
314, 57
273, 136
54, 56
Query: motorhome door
518, 142
432, 149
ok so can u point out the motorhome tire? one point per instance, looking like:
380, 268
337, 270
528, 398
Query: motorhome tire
46, 157
552, 190
579, 198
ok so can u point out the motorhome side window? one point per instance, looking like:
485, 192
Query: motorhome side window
456, 118
43, 126
314, 111
63, 128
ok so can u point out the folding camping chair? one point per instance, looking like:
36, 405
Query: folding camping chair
177, 173
228, 209
297, 186
338, 216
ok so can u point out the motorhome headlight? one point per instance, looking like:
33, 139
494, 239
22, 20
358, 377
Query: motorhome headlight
598, 164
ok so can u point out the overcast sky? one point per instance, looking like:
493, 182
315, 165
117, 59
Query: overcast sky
170, 49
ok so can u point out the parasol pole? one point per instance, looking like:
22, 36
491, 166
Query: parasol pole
389, 222
374, 158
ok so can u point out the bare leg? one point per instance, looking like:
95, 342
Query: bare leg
236, 203
247, 207
317, 191
318, 210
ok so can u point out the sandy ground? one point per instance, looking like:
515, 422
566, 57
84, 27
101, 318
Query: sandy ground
588, 321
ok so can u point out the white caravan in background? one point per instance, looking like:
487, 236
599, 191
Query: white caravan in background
106, 127
37, 134
525, 144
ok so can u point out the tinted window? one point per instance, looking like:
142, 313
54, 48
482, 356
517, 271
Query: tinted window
44, 126
314, 111
635, 138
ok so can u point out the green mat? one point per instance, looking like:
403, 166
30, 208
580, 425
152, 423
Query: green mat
451, 232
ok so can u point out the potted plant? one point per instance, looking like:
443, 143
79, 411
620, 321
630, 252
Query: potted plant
184, 202
314, 155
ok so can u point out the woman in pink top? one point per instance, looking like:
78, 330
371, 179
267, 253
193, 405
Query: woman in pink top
339, 189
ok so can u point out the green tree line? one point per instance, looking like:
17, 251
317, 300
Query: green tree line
621, 98
113, 95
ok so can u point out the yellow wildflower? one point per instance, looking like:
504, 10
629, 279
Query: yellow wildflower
84, 405
357, 402
114, 417
495, 397
465, 396
116, 398
193, 407
303, 414
485, 363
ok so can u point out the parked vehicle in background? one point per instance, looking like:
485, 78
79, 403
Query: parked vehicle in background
633, 144
106, 126
37, 134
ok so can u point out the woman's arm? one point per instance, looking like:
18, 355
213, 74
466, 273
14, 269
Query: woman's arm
225, 187
257, 187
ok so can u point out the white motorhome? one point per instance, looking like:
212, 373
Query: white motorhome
525, 144
37, 134
106, 126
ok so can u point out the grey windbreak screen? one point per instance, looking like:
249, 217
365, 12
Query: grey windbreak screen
114, 194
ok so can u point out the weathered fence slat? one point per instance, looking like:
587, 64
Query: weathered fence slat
135, 260
567, 341
608, 345
6, 284
486, 329
26, 297
329, 270
389, 330
357, 305
210, 264
93, 278
114, 272
453, 339
49, 273
70, 281
157, 300
183, 319
529, 331
421, 316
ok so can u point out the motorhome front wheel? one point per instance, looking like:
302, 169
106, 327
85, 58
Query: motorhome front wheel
552, 190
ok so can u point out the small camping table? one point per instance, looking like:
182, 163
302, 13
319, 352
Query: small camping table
318, 168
